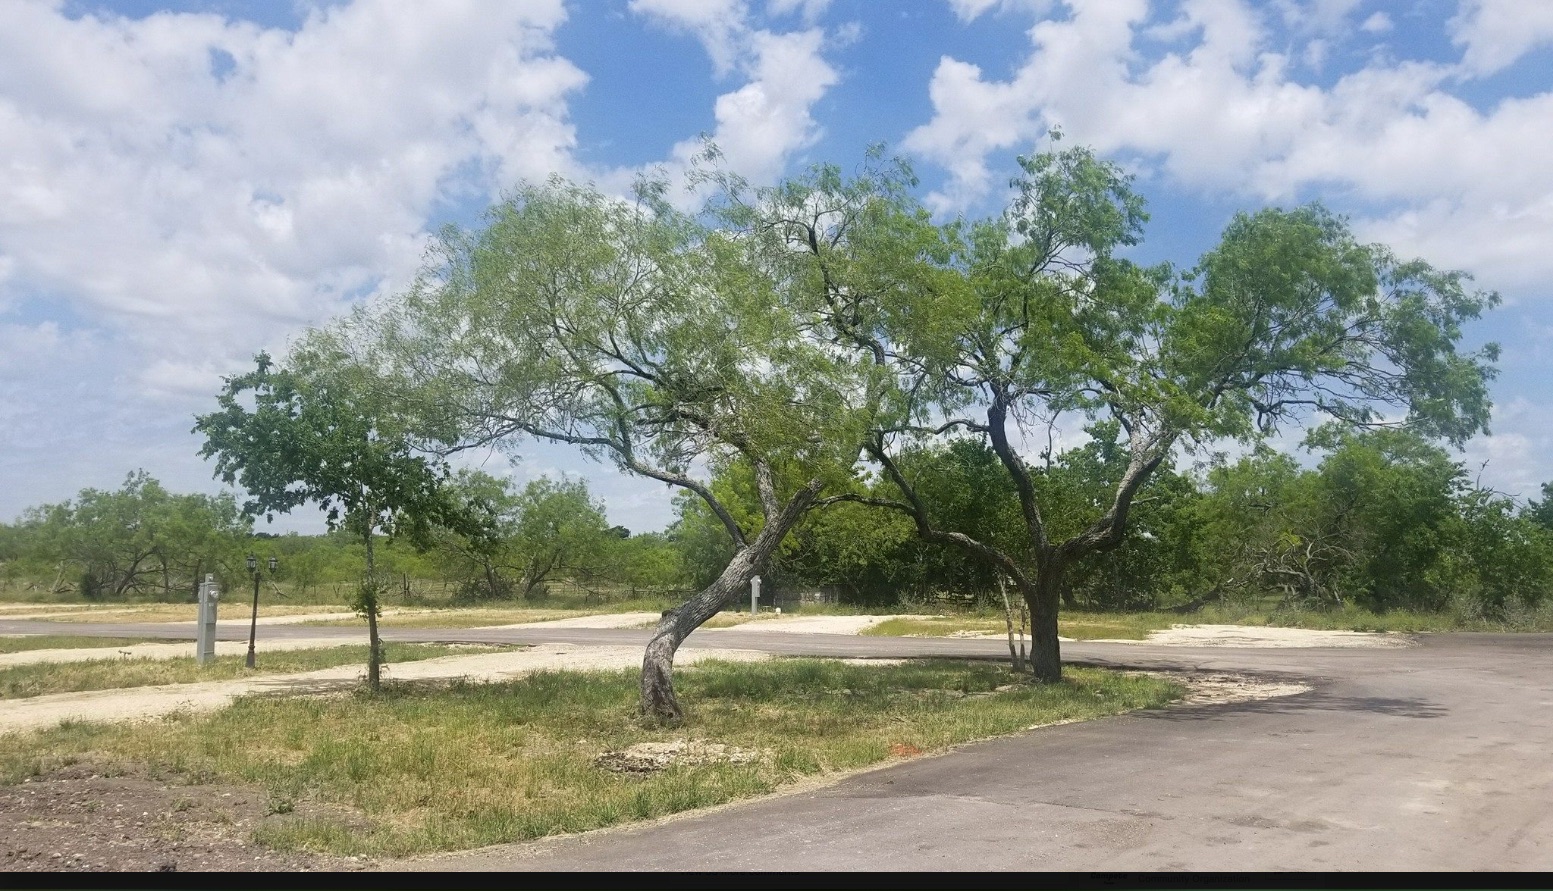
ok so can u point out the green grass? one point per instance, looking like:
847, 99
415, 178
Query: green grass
68, 642
425, 767
42, 679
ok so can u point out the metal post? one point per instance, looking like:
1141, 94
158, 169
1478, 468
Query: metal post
205, 634
754, 595
253, 622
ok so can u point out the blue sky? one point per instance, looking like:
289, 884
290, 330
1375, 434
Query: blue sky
188, 183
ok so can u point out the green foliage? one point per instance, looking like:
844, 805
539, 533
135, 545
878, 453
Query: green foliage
1000, 327
319, 432
137, 541
1387, 521
1541, 512
546, 530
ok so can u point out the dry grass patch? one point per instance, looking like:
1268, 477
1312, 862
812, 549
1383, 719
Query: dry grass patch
42, 679
233, 607
68, 642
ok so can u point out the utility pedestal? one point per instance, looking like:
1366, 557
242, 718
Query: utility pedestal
205, 637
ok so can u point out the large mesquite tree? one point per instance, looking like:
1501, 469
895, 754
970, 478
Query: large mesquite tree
1006, 328
664, 343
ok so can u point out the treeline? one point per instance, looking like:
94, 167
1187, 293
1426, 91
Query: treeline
143, 542
1384, 520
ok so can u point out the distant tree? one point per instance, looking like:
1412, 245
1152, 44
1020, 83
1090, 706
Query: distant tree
1541, 512
529, 537
137, 539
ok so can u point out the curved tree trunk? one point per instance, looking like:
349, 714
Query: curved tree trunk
658, 698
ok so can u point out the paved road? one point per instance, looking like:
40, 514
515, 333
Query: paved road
1430, 757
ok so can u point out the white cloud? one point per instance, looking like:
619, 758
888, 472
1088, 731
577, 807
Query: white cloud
719, 24
1377, 23
968, 10
762, 123
183, 214
810, 10
1462, 187
153, 194
1495, 33
1518, 458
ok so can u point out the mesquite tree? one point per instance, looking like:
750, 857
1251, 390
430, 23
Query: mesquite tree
1009, 327
665, 343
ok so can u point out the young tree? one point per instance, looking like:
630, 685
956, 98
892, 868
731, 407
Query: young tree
317, 433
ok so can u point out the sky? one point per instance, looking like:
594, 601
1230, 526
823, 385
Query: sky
184, 184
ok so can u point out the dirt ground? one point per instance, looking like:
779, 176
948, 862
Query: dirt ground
83, 818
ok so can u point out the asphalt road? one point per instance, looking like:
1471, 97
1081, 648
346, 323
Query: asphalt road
1433, 757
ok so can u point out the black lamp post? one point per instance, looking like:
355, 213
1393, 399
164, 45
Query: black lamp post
253, 622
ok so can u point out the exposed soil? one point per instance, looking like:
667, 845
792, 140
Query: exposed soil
90, 818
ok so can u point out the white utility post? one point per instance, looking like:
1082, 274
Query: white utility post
754, 595
205, 635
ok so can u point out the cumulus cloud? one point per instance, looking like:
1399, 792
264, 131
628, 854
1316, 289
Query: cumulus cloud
1495, 33
1221, 112
181, 199
763, 122
720, 25
1518, 458
1377, 23
181, 190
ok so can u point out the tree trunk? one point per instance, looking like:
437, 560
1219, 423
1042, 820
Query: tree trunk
370, 607
1015, 657
658, 698
1045, 598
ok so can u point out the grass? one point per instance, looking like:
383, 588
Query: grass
471, 617
68, 642
42, 679
184, 612
425, 767
1077, 625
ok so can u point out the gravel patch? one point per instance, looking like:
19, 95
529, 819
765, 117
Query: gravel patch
149, 702
650, 757
811, 624
612, 620
1218, 687
1256, 636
